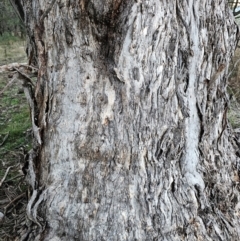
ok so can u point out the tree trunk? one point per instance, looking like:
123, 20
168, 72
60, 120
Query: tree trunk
130, 121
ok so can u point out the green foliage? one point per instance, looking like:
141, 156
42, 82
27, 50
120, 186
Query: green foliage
8, 39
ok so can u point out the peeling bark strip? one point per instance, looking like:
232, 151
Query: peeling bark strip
131, 102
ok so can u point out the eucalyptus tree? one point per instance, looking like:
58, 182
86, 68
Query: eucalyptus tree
129, 117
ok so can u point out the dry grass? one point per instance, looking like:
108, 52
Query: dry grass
12, 53
12, 50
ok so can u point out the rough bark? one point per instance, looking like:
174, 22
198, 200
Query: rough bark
129, 111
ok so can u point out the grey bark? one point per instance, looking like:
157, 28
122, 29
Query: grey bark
131, 106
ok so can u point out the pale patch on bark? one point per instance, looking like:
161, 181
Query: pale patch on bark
107, 114
193, 123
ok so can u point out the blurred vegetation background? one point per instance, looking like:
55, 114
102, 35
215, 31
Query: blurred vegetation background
12, 34
14, 114
15, 126
10, 23
234, 75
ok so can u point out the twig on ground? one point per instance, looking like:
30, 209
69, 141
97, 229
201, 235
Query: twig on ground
18, 176
25, 77
14, 200
5, 175
8, 84
9, 67
4, 139
29, 66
